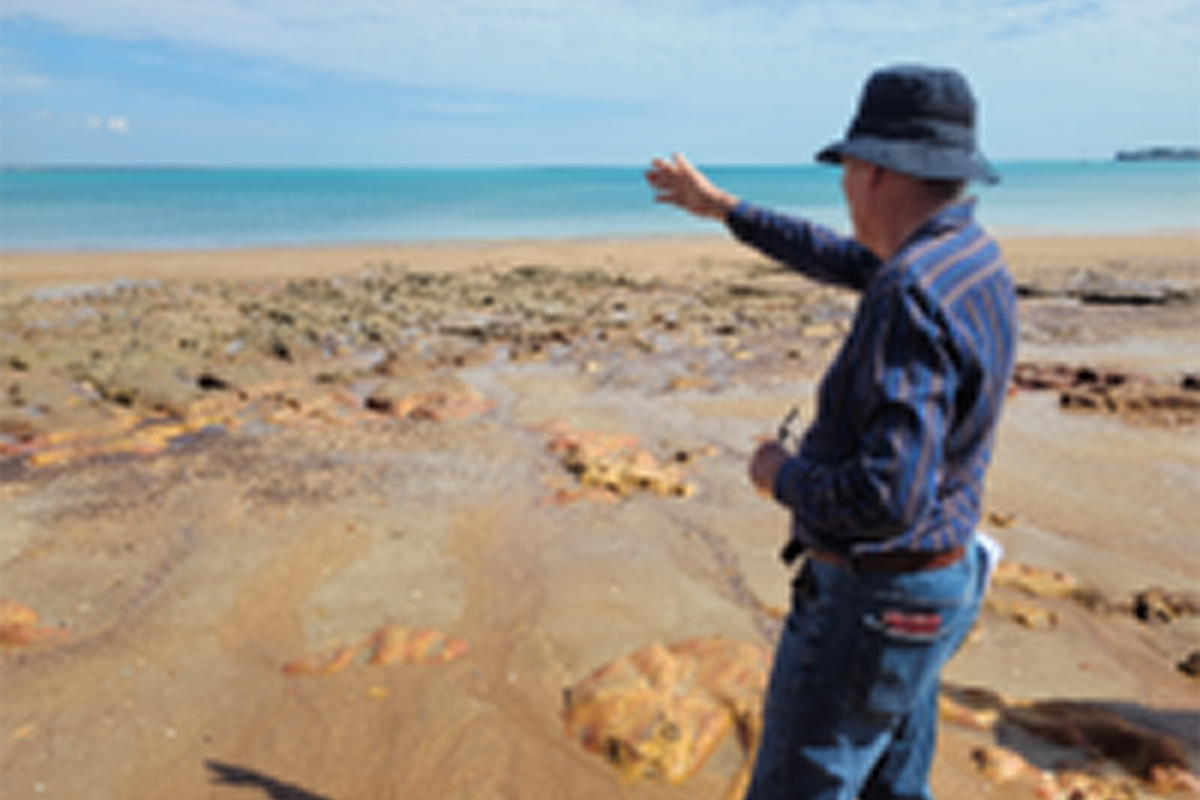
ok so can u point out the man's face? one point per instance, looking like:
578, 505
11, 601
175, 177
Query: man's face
855, 177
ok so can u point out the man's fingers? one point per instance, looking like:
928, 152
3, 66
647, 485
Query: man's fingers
670, 185
663, 172
678, 183
681, 162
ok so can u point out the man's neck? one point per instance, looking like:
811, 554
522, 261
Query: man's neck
907, 218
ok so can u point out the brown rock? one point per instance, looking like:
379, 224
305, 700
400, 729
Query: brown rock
1034, 581
999, 764
1025, 614
662, 710
616, 463
1158, 606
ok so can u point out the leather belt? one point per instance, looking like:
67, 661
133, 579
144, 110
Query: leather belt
905, 561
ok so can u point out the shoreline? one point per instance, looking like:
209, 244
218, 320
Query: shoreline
659, 254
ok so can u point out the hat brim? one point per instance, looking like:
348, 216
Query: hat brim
917, 159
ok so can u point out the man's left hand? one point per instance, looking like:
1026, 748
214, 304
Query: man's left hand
765, 464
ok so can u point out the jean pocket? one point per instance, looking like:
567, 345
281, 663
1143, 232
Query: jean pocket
901, 651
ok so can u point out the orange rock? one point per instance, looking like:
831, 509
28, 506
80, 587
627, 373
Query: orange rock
1072, 785
980, 719
1174, 778
661, 711
1034, 580
18, 626
1028, 615
395, 644
27, 634
999, 764
615, 463
326, 662
433, 400
14, 613
390, 644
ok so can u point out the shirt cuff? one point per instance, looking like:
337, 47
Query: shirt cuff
739, 216
788, 483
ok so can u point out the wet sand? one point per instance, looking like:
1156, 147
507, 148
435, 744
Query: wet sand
306, 510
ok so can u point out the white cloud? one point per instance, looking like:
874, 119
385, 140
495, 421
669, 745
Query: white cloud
117, 125
23, 82
614, 49
768, 67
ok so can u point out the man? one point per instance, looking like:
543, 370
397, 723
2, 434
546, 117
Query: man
885, 489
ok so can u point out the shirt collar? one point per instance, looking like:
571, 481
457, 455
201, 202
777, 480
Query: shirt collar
951, 217
958, 214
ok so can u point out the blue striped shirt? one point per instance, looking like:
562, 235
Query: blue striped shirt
906, 414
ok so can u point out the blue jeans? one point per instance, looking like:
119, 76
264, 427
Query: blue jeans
851, 708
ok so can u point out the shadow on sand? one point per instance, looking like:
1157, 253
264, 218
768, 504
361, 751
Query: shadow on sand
1139, 739
233, 775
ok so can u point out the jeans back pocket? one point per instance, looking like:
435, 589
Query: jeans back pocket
901, 650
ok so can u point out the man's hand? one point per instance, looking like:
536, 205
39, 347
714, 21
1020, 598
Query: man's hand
678, 183
765, 464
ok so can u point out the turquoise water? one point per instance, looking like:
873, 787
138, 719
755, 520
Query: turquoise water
132, 209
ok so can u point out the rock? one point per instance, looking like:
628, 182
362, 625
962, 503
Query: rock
691, 382
326, 662
1064, 378
616, 463
14, 613
999, 764
396, 644
1158, 606
1190, 666
1034, 581
387, 646
19, 626
1113, 391
662, 710
1092, 288
1025, 614
963, 715
434, 398
149, 384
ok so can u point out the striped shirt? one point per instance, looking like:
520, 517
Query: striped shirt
906, 414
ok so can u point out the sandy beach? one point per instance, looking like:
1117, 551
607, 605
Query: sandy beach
345, 523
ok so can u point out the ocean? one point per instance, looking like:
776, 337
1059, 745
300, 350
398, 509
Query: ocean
150, 209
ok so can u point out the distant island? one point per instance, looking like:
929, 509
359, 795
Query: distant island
1160, 154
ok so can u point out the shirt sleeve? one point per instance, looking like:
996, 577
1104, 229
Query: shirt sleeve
815, 251
902, 385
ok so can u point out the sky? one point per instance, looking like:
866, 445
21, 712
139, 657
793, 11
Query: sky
550, 82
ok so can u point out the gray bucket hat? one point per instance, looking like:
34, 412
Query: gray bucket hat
916, 120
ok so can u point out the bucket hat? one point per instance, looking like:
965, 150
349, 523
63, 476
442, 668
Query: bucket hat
916, 120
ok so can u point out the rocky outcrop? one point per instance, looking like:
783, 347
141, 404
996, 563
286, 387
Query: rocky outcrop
1130, 395
387, 646
612, 466
134, 368
662, 710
